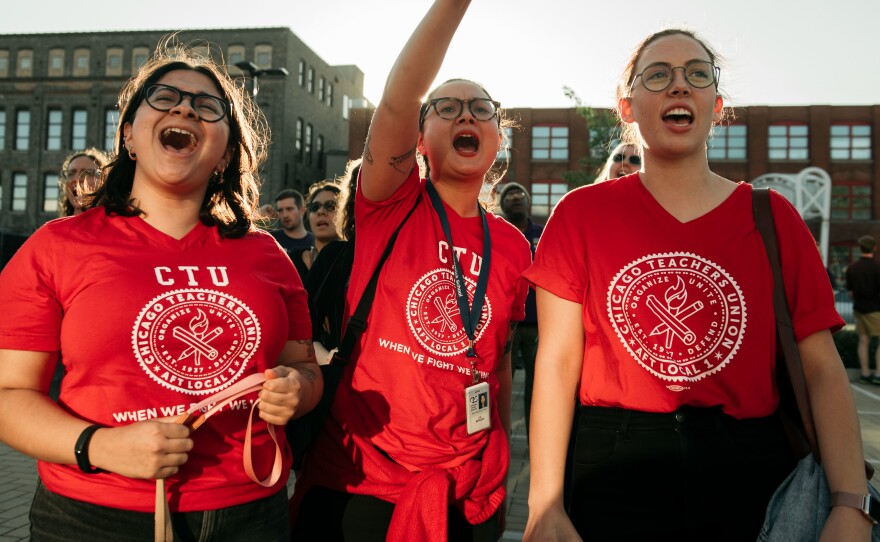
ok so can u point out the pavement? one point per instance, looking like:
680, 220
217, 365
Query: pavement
18, 473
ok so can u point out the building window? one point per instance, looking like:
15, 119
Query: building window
4, 63
301, 73
319, 150
504, 150
310, 81
850, 200
19, 191
850, 142
549, 142
321, 89
56, 62
2, 131
234, 55
25, 64
788, 142
139, 56
113, 65
308, 144
78, 129
298, 145
22, 129
53, 130
329, 95
50, 193
81, 59
263, 55
346, 105
545, 196
728, 143
111, 119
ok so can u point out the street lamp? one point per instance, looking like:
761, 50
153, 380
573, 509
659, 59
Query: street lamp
255, 71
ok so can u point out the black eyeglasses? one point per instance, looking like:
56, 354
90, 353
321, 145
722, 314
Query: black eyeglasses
451, 108
330, 205
634, 159
76, 173
698, 74
164, 98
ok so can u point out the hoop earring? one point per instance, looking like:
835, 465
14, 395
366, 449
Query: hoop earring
131, 153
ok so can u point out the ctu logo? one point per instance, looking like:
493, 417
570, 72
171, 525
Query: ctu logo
218, 276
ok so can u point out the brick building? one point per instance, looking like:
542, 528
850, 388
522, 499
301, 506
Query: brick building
842, 140
58, 94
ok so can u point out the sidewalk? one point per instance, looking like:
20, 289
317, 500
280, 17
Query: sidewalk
18, 480
18, 473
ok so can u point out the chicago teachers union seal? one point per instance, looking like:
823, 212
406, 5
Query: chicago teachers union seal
679, 315
195, 341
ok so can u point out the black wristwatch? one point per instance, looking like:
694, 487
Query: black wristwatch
868, 505
81, 450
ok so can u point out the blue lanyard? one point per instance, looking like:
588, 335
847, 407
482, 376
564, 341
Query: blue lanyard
470, 316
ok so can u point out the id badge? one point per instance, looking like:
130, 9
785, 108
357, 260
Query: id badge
476, 400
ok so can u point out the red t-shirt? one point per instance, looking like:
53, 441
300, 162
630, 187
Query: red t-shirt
148, 325
679, 313
406, 392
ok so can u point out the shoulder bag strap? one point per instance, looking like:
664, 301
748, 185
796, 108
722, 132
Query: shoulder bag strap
358, 321
784, 327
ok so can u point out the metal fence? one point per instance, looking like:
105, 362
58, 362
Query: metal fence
844, 306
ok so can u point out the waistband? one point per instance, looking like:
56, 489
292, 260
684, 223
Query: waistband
682, 418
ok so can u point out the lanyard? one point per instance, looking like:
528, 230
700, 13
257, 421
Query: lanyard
470, 316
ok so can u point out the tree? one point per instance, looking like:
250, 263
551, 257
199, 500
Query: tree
604, 135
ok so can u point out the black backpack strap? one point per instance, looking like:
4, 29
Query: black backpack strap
358, 321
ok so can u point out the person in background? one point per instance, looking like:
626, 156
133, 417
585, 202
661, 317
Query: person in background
863, 284
81, 174
516, 207
321, 207
292, 236
178, 296
655, 310
406, 454
623, 160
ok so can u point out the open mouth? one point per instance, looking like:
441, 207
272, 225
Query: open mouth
466, 143
178, 139
679, 117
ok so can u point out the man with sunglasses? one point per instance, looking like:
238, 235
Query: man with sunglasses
516, 206
292, 236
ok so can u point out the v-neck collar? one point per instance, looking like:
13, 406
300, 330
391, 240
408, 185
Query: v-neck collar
661, 213
193, 237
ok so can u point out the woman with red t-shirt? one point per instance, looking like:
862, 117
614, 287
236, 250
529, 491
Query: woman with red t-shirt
408, 452
655, 311
158, 296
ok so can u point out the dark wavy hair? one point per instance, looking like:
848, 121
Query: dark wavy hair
499, 169
348, 183
230, 204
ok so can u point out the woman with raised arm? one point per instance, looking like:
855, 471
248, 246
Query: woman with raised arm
178, 297
655, 310
408, 453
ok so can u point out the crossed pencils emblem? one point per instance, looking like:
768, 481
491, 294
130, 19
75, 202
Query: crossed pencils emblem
673, 314
198, 338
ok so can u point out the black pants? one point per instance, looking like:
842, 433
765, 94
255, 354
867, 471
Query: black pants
334, 516
695, 474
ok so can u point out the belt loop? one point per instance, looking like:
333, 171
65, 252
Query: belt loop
624, 425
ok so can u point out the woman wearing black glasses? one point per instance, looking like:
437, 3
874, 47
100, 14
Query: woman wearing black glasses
655, 310
322, 202
407, 453
160, 295
624, 159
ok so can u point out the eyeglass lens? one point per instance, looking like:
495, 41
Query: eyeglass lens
164, 98
315, 206
634, 159
699, 74
451, 108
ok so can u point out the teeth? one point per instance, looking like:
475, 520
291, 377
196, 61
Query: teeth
678, 111
192, 138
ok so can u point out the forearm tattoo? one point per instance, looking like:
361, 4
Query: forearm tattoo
368, 154
404, 162
310, 350
508, 346
307, 372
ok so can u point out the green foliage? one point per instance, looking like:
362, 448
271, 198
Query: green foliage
603, 130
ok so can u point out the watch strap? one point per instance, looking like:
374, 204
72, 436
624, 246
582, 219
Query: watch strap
81, 450
868, 506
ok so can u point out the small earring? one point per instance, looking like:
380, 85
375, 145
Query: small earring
216, 177
130, 150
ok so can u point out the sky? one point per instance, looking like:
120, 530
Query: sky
777, 52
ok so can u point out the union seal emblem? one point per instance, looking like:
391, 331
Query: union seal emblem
433, 315
679, 315
195, 341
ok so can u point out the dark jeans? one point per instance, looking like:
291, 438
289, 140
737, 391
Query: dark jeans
523, 351
59, 519
695, 474
334, 516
